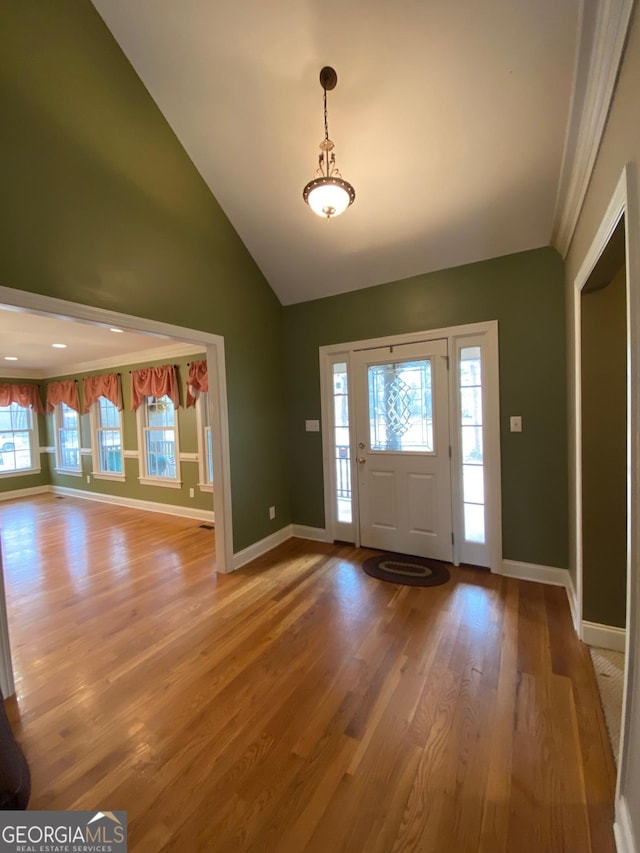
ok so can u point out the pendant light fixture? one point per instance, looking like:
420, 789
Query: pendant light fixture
328, 194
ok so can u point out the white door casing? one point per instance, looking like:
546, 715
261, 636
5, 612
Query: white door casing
338, 371
402, 430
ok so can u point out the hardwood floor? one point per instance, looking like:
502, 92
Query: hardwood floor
298, 704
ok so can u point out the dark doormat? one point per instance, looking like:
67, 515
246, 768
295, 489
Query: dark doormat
401, 568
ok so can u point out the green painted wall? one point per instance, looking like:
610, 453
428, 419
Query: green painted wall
525, 293
102, 206
131, 488
604, 453
29, 481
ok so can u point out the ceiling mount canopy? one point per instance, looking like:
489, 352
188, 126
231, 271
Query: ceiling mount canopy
328, 194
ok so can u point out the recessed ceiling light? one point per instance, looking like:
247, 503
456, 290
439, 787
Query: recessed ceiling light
59, 346
11, 358
119, 331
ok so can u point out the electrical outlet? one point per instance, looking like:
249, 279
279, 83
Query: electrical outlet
89, 478
192, 493
272, 512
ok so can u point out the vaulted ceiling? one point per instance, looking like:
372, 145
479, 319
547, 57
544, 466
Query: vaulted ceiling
449, 118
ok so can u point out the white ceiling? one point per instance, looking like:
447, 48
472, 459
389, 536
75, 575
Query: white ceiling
449, 119
30, 337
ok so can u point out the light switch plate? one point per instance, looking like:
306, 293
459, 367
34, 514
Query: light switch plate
312, 426
516, 423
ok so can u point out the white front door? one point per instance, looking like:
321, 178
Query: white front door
403, 461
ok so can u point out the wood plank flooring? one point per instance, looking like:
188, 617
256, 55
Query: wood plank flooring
298, 704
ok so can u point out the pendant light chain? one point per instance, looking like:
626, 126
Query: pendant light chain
326, 120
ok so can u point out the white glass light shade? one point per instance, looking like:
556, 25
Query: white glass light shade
328, 196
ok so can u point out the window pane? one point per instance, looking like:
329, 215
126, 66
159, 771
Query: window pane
109, 438
160, 447
341, 442
470, 366
160, 412
401, 406
474, 522
472, 440
471, 405
110, 451
68, 437
209, 446
15, 438
472, 444
473, 483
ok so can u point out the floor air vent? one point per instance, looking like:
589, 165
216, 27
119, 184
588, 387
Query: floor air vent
207, 526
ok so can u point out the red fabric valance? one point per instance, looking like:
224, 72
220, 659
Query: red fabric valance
154, 382
198, 381
22, 394
65, 391
104, 385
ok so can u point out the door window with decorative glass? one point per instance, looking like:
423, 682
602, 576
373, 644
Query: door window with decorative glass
401, 406
67, 438
18, 439
106, 422
159, 439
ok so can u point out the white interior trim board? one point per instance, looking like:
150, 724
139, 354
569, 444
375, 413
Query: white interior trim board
539, 574
23, 493
625, 842
572, 595
604, 636
599, 54
241, 558
135, 503
316, 534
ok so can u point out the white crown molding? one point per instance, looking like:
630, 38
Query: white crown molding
598, 59
16, 373
140, 356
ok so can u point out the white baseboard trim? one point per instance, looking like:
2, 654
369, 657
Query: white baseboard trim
134, 503
604, 636
625, 842
572, 595
538, 574
23, 493
252, 552
316, 534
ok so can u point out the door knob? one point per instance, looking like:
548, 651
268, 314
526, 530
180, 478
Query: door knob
361, 459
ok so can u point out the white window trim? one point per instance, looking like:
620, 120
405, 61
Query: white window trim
96, 473
457, 336
34, 445
59, 469
143, 477
203, 485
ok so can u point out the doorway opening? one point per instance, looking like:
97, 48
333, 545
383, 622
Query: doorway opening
411, 444
215, 353
607, 451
